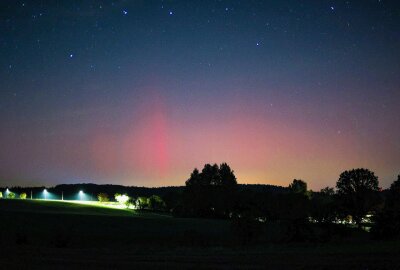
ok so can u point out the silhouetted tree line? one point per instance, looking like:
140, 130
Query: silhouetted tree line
357, 200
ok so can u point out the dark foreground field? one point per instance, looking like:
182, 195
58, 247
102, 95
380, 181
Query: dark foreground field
57, 235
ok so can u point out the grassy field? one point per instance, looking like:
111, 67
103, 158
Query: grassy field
64, 235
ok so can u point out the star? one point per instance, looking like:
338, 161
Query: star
171, 13
125, 12
332, 8
71, 55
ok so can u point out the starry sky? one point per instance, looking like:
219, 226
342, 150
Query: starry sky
141, 92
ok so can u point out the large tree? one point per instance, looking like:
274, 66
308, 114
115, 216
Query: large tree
395, 186
210, 193
210, 175
226, 176
213, 175
357, 189
387, 221
195, 178
156, 203
298, 186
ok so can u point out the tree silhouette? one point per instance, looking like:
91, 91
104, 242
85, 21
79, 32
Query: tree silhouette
396, 184
210, 175
213, 175
323, 205
156, 203
298, 186
195, 178
357, 188
327, 191
227, 176
211, 192
387, 222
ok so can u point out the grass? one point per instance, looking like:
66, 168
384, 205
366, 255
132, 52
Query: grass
72, 235
63, 207
88, 225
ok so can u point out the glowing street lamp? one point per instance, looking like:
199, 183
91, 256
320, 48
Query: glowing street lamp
80, 195
45, 194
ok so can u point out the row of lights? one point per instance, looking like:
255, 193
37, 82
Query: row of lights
45, 193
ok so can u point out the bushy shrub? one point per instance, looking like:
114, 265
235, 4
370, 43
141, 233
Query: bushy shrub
156, 203
103, 197
142, 203
22, 196
122, 199
11, 195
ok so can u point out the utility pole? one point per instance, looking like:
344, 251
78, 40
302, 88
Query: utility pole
31, 195
62, 195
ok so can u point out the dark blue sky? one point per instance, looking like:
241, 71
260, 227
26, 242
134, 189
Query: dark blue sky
141, 92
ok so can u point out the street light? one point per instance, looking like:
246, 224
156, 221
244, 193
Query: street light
80, 195
45, 194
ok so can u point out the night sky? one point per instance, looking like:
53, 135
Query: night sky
141, 92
